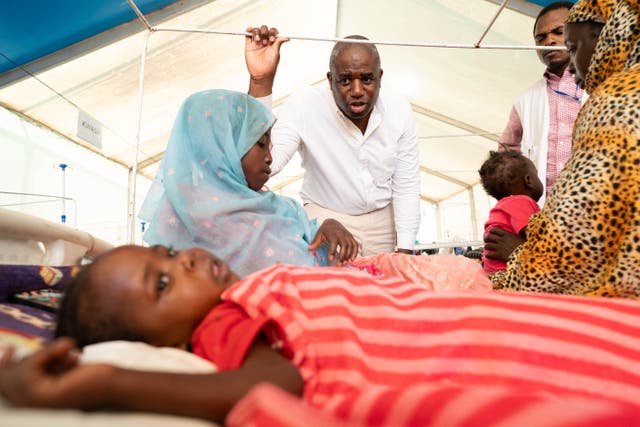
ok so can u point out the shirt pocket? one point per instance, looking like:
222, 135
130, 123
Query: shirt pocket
382, 165
528, 148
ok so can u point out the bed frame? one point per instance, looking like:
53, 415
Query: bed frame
29, 240
26, 240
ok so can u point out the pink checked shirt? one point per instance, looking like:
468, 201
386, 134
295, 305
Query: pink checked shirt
564, 104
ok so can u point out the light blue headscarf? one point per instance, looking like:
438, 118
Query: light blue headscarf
200, 197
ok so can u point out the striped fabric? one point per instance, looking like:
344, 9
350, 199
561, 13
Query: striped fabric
380, 351
445, 406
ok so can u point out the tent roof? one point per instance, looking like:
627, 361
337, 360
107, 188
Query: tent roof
87, 55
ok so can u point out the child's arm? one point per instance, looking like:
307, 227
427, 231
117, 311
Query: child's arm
51, 378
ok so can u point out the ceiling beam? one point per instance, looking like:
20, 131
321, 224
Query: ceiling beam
445, 177
460, 192
453, 122
428, 199
150, 160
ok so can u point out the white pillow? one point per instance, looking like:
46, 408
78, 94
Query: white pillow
144, 357
125, 354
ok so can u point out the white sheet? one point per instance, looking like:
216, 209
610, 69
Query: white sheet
131, 355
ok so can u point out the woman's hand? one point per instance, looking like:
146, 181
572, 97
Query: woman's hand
52, 378
500, 243
338, 236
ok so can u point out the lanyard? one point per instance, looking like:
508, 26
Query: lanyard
559, 92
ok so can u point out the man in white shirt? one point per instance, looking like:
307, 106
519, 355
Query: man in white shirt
358, 146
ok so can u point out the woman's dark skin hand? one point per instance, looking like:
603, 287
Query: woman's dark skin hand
500, 243
337, 236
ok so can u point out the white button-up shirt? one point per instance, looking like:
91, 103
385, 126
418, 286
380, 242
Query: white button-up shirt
347, 171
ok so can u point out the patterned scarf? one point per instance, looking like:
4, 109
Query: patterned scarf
200, 196
617, 47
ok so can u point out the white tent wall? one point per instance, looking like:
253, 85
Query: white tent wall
457, 221
94, 188
461, 97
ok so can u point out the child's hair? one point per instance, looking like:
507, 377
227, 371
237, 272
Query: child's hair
501, 170
87, 315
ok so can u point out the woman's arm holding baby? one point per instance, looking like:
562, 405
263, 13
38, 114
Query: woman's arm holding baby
51, 378
500, 243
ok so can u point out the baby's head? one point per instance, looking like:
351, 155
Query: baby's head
155, 295
507, 173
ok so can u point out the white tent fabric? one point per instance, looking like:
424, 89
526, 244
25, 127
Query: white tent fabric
461, 97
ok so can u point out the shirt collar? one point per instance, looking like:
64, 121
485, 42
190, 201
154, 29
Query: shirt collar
549, 76
554, 81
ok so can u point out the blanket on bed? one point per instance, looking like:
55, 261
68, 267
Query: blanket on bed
379, 353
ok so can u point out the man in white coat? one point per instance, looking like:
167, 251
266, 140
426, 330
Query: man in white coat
541, 120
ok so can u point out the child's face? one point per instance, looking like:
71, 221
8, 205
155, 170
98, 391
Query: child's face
256, 163
163, 294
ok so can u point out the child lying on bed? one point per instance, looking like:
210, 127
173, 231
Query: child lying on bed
352, 345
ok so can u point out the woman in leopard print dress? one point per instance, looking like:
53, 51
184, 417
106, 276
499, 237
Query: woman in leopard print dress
586, 239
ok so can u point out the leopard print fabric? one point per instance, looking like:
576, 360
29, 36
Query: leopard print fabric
586, 239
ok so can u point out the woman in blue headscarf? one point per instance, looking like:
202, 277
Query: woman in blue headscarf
207, 191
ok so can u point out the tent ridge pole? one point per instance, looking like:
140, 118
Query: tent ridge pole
134, 167
140, 15
502, 6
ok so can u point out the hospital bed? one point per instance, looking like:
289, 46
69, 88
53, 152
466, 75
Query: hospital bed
36, 254
40, 254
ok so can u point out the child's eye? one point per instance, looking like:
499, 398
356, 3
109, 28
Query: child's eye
171, 253
163, 282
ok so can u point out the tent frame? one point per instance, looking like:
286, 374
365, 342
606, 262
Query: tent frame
133, 171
